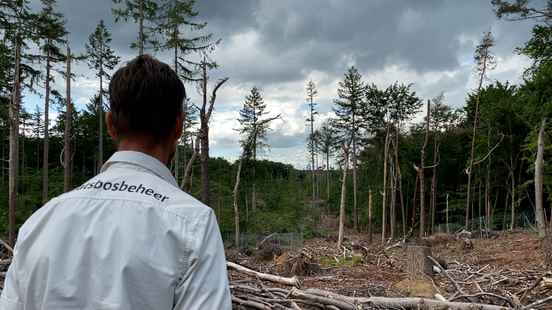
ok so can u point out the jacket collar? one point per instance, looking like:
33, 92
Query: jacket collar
141, 160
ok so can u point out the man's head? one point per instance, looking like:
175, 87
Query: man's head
146, 101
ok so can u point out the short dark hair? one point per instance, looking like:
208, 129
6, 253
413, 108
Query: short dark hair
146, 97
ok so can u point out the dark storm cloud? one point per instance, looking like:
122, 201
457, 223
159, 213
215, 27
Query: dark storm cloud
276, 44
296, 37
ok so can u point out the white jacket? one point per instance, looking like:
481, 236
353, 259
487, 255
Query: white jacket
127, 239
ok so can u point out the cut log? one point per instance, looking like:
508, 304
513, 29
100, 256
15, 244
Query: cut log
344, 302
417, 263
293, 281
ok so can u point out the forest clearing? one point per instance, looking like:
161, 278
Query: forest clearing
400, 165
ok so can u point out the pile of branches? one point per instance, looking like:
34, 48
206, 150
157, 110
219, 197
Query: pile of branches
286, 293
501, 286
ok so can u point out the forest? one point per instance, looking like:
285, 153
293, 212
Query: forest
387, 170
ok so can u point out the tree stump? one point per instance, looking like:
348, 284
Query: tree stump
547, 250
417, 264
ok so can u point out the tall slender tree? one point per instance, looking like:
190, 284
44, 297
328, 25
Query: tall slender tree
326, 144
402, 105
51, 31
144, 13
350, 94
18, 27
255, 123
485, 61
67, 145
101, 58
311, 93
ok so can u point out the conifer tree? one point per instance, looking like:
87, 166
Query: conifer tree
51, 32
101, 58
176, 23
326, 144
254, 124
348, 108
142, 12
311, 93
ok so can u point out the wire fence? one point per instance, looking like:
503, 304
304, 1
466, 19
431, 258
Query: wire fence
286, 241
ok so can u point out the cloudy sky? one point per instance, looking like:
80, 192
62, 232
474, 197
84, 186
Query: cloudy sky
279, 45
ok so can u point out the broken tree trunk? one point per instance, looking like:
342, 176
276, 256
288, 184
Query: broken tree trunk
343, 196
187, 179
539, 180
421, 172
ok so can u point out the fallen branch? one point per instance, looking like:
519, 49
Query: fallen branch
293, 281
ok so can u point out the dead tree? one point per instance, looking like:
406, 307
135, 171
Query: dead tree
420, 172
204, 116
345, 167
370, 216
186, 184
67, 154
384, 194
539, 180
235, 203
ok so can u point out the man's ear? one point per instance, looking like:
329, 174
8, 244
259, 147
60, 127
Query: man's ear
179, 127
110, 127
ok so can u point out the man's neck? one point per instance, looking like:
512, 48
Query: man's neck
154, 151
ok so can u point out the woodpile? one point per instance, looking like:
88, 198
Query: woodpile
256, 294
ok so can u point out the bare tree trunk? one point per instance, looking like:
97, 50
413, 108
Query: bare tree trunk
370, 235
433, 202
204, 140
393, 202
399, 179
187, 179
488, 185
45, 160
472, 150
141, 28
100, 116
414, 205
513, 207
539, 181
177, 150
254, 189
235, 204
421, 172
14, 143
204, 134
327, 178
354, 157
343, 196
67, 158
447, 214
384, 197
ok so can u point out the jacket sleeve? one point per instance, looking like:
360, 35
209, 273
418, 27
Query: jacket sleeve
205, 283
